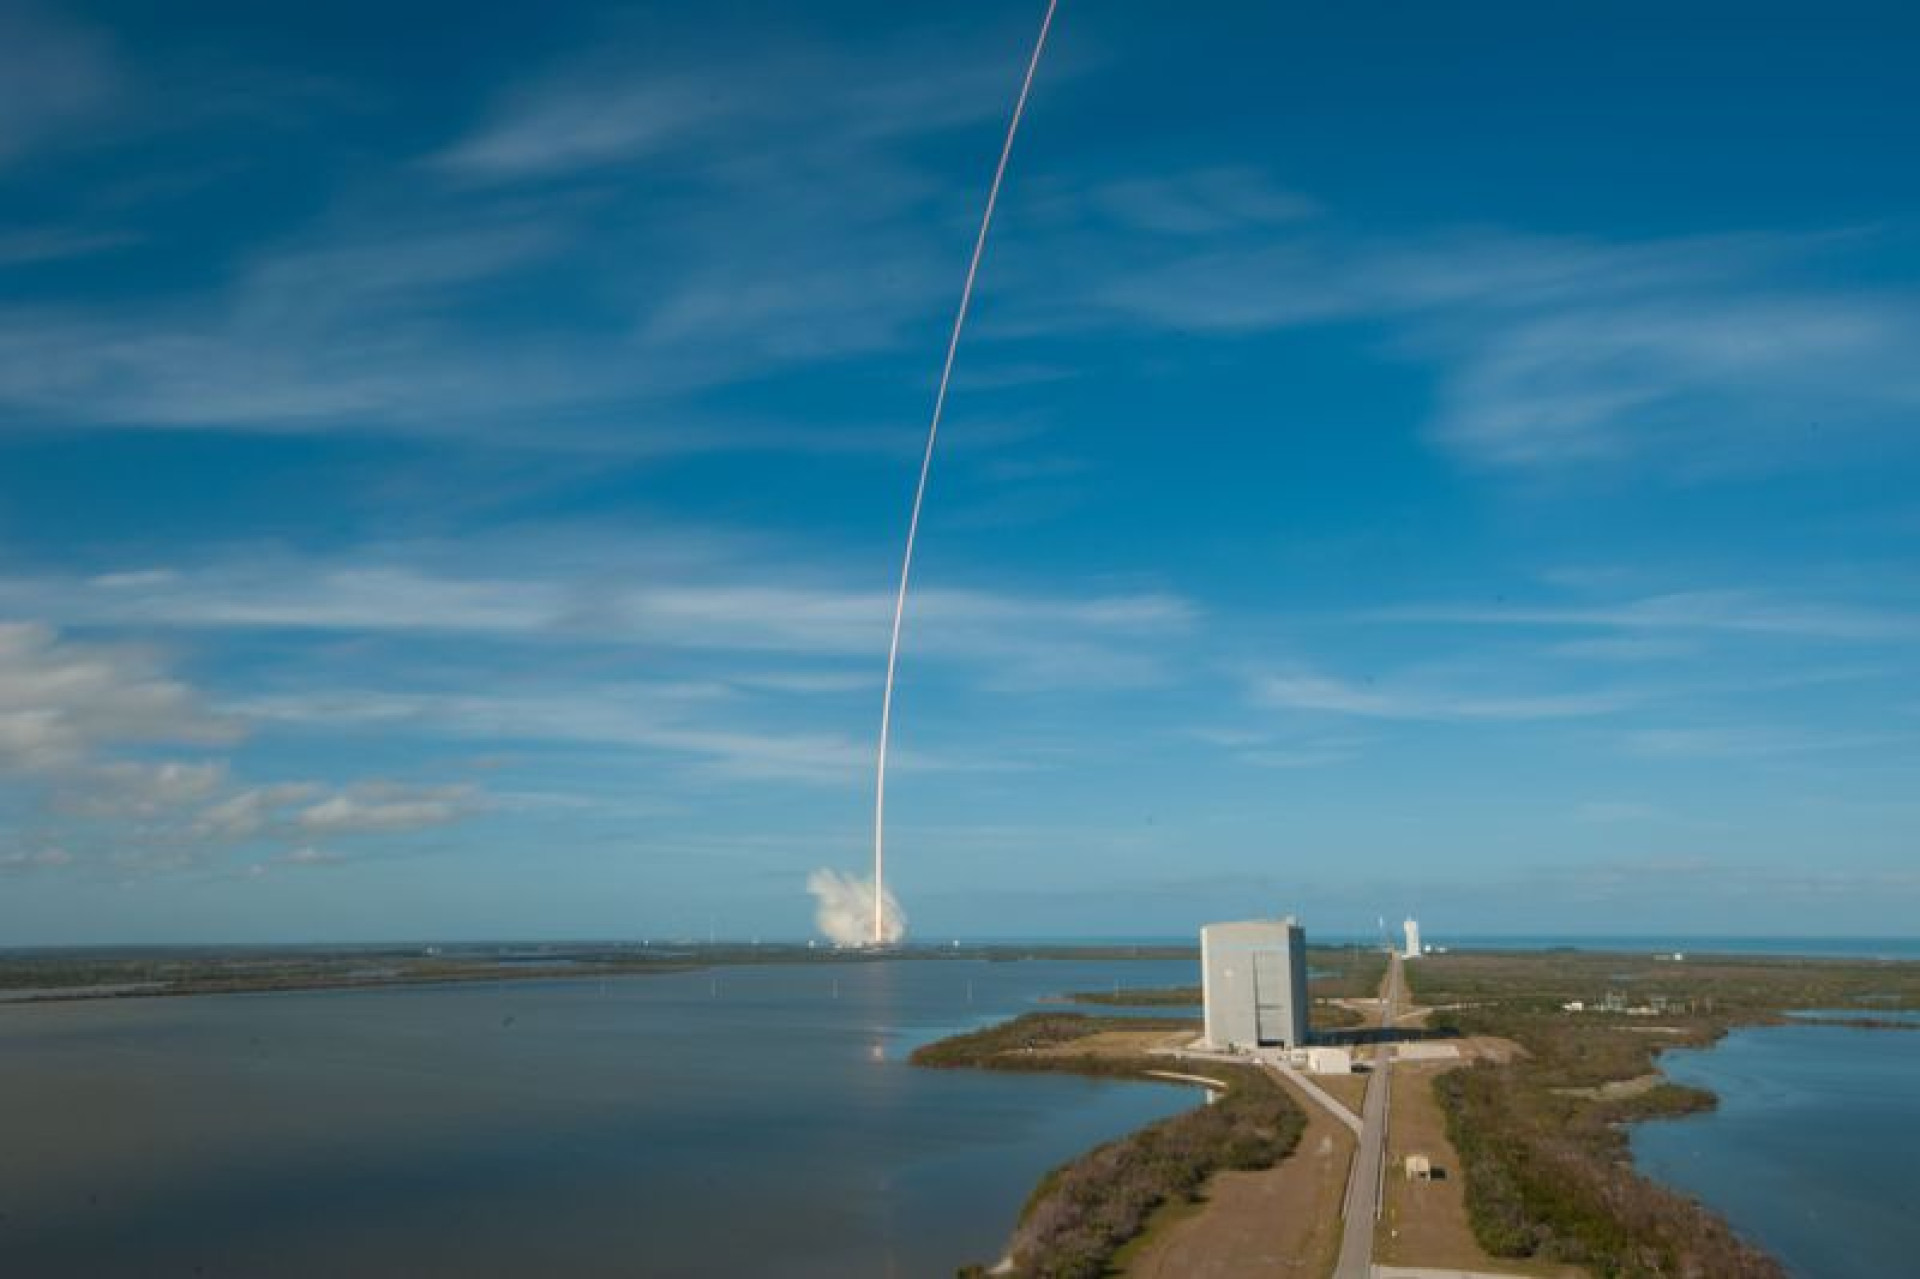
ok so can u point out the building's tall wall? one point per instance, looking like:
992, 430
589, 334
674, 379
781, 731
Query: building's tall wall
1254, 978
1412, 950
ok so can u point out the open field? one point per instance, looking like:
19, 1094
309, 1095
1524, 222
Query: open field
1283, 1220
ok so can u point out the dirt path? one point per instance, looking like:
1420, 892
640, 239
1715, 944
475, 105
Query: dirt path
1284, 1221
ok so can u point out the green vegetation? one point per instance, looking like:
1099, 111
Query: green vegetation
65, 974
1340, 972
116, 972
1547, 1165
1141, 997
1346, 972
1546, 1178
1083, 1213
1033, 1042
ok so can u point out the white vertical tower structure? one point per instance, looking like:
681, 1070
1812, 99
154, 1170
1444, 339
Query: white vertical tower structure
1413, 939
1254, 976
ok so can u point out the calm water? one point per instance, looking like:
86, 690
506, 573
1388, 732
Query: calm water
1811, 1151
751, 1121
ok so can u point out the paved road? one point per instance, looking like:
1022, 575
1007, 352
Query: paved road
1362, 1207
1431, 1272
1319, 1094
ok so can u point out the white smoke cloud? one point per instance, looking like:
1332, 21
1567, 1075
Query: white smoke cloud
844, 909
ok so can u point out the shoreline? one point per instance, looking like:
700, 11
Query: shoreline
1751, 1056
180, 972
1084, 1215
1603, 1067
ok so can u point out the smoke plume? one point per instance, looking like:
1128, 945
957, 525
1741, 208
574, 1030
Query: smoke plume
843, 909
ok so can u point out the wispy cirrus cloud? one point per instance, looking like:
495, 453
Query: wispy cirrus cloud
1752, 741
305, 857
1207, 201
667, 288
30, 245
138, 788
572, 122
1745, 612
1307, 690
249, 811
308, 809
379, 807
22, 861
1711, 352
722, 599
686, 732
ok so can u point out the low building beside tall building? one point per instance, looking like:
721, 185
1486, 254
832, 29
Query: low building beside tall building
1254, 978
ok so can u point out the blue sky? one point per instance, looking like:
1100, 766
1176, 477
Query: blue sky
453, 465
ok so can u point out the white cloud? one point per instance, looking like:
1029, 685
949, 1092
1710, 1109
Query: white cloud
22, 861
366, 320
247, 813
1558, 352
567, 124
61, 700
1727, 611
1720, 376
131, 788
1201, 202
307, 856
733, 601
380, 807
607, 716
608, 107
361, 808
1311, 691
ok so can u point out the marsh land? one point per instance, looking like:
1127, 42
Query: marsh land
1538, 1069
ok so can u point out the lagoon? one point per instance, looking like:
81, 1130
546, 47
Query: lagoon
1810, 1153
739, 1121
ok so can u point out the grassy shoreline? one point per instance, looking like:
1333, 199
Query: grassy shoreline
1084, 1213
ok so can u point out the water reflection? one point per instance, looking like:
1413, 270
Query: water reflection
579, 1126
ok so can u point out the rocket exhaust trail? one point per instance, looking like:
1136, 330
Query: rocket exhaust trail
920, 490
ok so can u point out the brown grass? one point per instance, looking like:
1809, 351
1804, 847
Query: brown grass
1283, 1220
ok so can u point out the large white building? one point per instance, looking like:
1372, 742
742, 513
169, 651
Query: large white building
1254, 976
1413, 939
